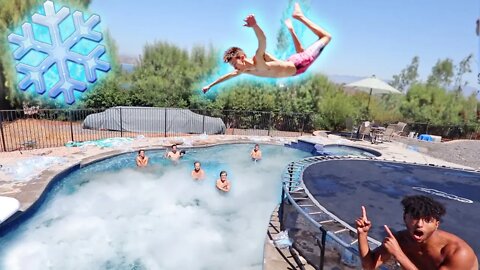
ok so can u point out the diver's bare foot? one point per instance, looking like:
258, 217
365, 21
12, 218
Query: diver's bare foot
289, 24
297, 12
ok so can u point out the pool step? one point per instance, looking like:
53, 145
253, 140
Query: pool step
303, 146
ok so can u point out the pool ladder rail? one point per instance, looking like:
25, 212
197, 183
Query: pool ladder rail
338, 230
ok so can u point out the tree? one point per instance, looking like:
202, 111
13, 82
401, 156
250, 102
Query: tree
334, 108
407, 76
462, 68
430, 103
442, 73
106, 94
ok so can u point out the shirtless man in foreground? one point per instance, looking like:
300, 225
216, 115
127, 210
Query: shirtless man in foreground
422, 245
264, 64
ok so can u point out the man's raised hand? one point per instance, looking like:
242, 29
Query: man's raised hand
391, 243
363, 224
250, 21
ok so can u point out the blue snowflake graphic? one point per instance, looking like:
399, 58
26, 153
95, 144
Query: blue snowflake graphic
59, 52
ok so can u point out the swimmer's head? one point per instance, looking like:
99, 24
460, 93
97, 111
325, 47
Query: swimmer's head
256, 147
235, 57
196, 164
223, 175
174, 148
141, 153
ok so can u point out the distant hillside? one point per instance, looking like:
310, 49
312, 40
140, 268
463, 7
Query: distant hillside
344, 79
127, 67
128, 59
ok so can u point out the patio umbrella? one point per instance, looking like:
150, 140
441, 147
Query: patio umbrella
373, 86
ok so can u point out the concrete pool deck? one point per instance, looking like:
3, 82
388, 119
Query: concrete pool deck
28, 188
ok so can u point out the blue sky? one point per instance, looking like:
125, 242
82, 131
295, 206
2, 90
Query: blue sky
369, 37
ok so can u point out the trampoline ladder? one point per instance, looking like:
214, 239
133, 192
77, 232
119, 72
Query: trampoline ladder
327, 221
340, 231
306, 205
354, 242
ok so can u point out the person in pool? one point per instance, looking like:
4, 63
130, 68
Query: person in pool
256, 154
142, 160
198, 173
421, 245
223, 184
264, 64
174, 154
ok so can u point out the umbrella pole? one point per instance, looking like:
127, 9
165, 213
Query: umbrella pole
369, 97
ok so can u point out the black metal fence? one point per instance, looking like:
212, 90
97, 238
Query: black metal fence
42, 128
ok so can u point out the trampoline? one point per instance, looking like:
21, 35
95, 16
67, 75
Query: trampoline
343, 186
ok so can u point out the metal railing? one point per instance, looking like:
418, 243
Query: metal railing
43, 128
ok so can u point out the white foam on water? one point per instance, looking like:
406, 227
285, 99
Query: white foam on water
141, 219
29, 168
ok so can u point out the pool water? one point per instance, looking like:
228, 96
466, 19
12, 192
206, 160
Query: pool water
345, 150
112, 215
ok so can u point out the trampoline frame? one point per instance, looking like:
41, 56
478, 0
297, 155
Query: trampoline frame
295, 192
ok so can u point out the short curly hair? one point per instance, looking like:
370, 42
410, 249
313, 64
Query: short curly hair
419, 206
231, 53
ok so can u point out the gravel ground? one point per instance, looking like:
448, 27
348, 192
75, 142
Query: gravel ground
463, 152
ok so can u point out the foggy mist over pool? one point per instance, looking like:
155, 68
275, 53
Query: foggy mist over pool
112, 215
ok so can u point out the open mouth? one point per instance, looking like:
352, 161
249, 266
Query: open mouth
417, 234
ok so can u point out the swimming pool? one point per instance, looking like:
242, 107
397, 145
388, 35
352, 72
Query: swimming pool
333, 149
112, 215
346, 150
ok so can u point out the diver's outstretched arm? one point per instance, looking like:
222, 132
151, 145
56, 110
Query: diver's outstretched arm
221, 79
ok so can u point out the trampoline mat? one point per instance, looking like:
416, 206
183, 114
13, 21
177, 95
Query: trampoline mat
343, 186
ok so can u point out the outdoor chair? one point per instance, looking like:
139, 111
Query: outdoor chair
351, 127
364, 129
400, 128
389, 132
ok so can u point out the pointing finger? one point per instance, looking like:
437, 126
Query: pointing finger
388, 231
364, 212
